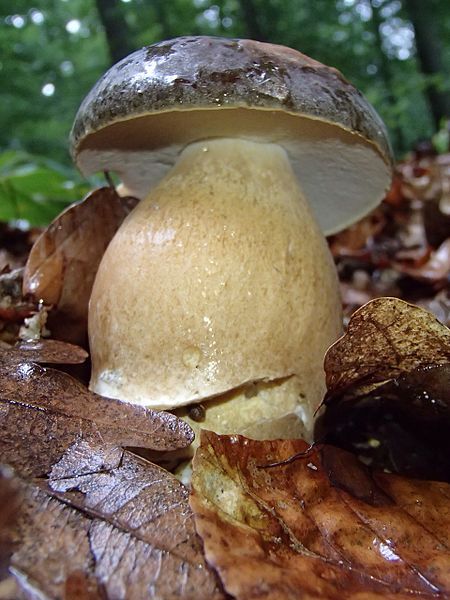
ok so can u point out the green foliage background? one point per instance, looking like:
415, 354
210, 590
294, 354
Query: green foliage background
63, 43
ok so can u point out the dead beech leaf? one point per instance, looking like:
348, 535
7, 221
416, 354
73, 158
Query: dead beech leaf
63, 261
439, 305
388, 398
125, 531
402, 425
357, 239
96, 521
45, 351
44, 411
385, 338
13, 307
435, 269
9, 500
288, 532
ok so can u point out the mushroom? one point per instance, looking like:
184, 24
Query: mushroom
219, 287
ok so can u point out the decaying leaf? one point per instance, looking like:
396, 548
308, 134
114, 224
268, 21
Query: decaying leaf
44, 411
13, 307
43, 351
9, 500
388, 396
125, 531
404, 253
96, 521
357, 239
435, 269
385, 338
439, 305
63, 262
289, 532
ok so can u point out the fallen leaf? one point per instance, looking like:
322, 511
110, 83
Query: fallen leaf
289, 532
43, 351
9, 500
63, 261
13, 307
407, 255
435, 269
44, 411
96, 521
439, 305
388, 397
355, 241
385, 338
116, 532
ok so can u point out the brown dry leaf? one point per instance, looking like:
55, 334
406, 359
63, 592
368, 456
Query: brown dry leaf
96, 521
435, 270
43, 351
44, 411
385, 338
13, 307
125, 531
439, 305
9, 500
63, 262
356, 240
388, 398
288, 532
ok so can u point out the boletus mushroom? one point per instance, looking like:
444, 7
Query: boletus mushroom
219, 287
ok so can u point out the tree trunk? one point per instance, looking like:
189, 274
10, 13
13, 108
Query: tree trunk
117, 33
429, 52
161, 14
384, 72
250, 17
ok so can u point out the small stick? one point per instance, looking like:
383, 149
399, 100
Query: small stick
109, 180
304, 454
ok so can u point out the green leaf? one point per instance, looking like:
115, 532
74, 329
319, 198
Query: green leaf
35, 189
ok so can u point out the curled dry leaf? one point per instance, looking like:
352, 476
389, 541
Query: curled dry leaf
388, 396
290, 532
357, 239
122, 531
385, 338
63, 262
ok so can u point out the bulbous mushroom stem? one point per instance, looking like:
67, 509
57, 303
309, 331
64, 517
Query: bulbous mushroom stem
218, 281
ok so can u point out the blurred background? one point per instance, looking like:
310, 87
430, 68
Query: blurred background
52, 51
396, 51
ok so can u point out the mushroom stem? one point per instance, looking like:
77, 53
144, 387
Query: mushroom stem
218, 279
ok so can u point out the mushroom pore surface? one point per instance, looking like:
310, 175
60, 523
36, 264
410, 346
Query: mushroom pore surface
219, 287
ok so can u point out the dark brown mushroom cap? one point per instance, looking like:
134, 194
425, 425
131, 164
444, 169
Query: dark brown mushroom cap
146, 108
208, 72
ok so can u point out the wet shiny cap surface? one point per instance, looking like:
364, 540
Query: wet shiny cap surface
165, 96
209, 72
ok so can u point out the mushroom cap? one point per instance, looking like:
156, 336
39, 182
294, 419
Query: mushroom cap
150, 105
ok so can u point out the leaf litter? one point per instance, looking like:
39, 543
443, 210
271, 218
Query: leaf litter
95, 520
291, 532
63, 262
388, 397
90, 481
